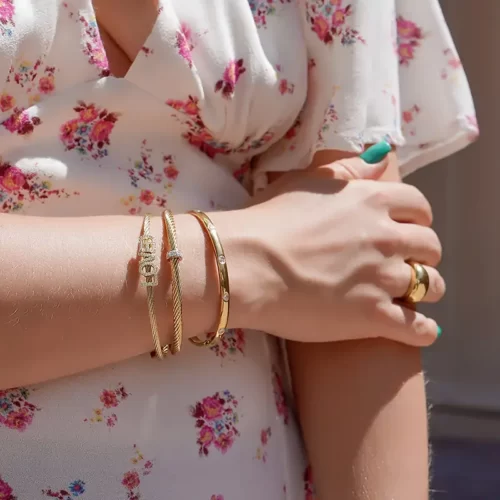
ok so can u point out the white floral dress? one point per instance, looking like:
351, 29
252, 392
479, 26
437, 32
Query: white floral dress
216, 85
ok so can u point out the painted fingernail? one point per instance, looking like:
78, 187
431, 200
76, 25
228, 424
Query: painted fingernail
440, 331
376, 153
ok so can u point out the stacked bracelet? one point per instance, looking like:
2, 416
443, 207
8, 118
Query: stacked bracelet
148, 269
174, 257
220, 260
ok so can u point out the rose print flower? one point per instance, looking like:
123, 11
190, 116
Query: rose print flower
90, 133
7, 102
212, 408
101, 131
409, 36
147, 197
216, 420
206, 435
12, 179
110, 398
6, 18
131, 480
6, 492
232, 74
184, 44
46, 84
309, 490
16, 412
329, 21
21, 122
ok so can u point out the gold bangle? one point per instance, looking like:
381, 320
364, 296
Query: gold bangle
148, 269
174, 256
220, 260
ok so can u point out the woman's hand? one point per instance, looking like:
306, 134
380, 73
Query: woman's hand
334, 252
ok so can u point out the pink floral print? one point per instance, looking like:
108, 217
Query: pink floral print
453, 64
232, 74
7, 11
18, 188
37, 80
330, 118
109, 398
232, 343
328, 19
216, 419
131, 480
279, 396
184, 44
284, 86
89, 133
91, 41
143, 170
408, 40
408, 116
16, 412
74, 489
310, 494
6, 492
262, 9
21, 122
265, 435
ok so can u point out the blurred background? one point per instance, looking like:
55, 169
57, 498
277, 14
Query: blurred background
463, 368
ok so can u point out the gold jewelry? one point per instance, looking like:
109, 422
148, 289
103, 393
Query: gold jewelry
149, 271
220, 260
174, 256
419, 284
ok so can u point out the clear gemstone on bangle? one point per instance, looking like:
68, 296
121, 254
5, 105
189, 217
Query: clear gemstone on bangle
225, 297
222, 259
174, 254
222, 331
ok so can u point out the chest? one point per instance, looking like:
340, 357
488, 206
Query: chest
124, 27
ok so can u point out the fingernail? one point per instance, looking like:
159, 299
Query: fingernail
440, 331
376, 153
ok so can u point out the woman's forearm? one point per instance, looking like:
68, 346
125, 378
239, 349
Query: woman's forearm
70, 297
363, 414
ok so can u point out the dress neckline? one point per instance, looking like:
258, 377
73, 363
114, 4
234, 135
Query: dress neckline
145, 43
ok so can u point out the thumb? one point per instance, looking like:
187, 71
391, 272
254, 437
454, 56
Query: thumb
370, 165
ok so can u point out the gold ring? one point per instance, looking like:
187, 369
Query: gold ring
419, 284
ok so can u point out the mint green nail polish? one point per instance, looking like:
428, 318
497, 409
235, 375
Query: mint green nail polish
376, 153
440, 331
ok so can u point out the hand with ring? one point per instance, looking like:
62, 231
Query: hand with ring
336, 260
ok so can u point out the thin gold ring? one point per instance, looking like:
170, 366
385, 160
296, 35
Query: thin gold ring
419, 284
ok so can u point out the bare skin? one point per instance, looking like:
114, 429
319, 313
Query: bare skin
373, 410
48, 311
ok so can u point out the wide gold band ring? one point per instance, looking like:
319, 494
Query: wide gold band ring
419, 284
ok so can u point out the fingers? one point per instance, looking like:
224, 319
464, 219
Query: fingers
407, 204
399, 275
355, 168
406, 325
419, 244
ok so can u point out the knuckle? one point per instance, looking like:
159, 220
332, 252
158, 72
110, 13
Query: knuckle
423, 203
388, 240
437, 286
434, 248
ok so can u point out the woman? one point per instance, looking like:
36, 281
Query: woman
93, 138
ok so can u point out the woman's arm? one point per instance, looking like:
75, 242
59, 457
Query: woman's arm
363, 411
70, 298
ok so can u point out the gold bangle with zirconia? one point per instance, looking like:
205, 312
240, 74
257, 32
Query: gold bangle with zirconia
419, 284
220, 260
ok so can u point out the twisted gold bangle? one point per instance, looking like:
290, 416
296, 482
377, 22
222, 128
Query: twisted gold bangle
174, 256
220, 260
148, 269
